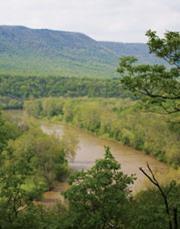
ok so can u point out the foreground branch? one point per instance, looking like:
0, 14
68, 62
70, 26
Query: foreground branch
172, 219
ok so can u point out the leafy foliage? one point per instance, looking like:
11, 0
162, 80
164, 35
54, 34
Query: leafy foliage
14, 89
148, 209
30, 163
7, 131
167, 48
47, 152
122, 120
99, 197
156, 84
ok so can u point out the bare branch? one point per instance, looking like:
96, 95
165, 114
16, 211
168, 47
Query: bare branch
164, 195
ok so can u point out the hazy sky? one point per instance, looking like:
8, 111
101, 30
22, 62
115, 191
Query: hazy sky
116, 20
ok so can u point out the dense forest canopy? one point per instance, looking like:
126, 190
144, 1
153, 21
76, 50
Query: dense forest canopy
15, 89
35, 87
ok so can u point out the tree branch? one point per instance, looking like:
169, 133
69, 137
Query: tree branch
154, 181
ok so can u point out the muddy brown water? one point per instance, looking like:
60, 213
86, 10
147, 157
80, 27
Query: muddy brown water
90, 148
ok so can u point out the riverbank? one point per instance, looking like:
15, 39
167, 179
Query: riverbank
120, 120
90, 148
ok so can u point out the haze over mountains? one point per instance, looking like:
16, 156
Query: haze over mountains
25, 51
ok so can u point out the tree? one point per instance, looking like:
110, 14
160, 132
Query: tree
49, 156
99, 197
171, 211
148, 210
167, 48
13, 175
8, 131
156, 84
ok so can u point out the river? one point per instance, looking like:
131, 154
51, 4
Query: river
90, 148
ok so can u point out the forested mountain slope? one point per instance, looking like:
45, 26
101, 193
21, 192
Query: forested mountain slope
25, 51
139, 50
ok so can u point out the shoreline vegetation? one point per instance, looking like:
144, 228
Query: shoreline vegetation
39, 160
67, 132
120, 120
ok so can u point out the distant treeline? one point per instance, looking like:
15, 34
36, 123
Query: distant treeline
20, 87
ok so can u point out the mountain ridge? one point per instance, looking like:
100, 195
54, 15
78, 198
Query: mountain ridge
25, 51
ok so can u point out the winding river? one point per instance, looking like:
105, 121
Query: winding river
90, 148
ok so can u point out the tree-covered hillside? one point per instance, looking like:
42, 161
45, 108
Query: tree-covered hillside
25, 51
139, 50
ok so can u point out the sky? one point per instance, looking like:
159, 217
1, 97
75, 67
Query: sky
111, 20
